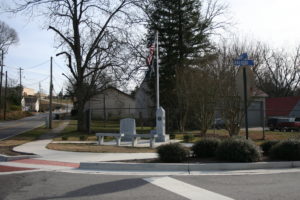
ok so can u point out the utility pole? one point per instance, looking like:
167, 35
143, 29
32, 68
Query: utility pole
50, 92
21, 89
40, 90
5, 93
1, 74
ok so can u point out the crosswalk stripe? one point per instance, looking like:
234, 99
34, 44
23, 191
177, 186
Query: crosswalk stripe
185, 189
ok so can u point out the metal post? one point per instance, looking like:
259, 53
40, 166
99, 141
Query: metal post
263, 118
5, 93
20, 69
157, 72
1, 74
245, 101
50, 93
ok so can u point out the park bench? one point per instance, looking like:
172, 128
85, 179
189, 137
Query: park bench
127, 133
117, 137
127, 127
136, 137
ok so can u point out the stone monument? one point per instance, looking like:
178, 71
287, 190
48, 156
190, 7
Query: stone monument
161, 125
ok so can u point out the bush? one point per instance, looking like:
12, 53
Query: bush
206, 148
64, 138
172, 136
188, 138
286, 150
238, 150
267, 145
172, 153
82, 137
15, 108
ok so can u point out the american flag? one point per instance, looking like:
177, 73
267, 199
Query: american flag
151, 52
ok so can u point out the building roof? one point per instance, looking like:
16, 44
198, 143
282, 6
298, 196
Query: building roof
30, 100
259, 93
281, 106
117, 90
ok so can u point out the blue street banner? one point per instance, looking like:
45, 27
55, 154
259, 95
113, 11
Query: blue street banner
243, 62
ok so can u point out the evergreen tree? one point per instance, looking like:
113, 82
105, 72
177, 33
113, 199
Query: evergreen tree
183, 40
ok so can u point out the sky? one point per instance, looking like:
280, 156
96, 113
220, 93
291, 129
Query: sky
274, 22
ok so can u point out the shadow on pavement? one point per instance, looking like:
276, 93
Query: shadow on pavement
100, 189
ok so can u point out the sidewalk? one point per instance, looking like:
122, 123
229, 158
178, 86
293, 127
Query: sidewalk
100, 162
39, 148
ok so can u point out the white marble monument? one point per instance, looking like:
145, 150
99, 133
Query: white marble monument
161, 125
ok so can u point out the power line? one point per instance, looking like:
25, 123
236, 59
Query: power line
40, 81
28, 68
60, 67
45, 62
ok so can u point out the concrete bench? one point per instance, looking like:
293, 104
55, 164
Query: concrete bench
117, 137
136, 137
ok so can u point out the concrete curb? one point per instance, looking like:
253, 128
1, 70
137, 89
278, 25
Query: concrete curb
4, 158
162, 167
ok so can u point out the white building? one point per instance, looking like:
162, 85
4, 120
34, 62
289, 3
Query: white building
30, 104
111, 103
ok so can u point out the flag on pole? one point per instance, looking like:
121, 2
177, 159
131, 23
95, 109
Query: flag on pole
151, 47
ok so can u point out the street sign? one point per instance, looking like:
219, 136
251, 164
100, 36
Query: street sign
243, 56
240, 82
245, 82
243, 62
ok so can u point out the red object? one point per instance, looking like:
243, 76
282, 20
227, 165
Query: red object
13, 169
280, 106
47, 162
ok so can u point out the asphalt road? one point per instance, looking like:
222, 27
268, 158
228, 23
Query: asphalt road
12, 128
59, 185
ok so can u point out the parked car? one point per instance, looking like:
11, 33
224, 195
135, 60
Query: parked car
284, 123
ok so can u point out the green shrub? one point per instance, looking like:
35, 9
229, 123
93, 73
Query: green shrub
206, 148
188, 138
64, 138
173, 152
267, 145
172, 136
238, 150
15, 108
286, 150
82, 137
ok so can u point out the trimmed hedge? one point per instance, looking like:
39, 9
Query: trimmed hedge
173, 152
267, 145
82, 137
188, 138
172, 136
286, 150
206, 148
64, 138
238, 150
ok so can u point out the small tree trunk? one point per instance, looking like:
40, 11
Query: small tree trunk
80, 117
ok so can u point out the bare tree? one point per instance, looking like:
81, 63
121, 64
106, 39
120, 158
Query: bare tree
204, 96
8, 36
94, 33
278, 74
230, 104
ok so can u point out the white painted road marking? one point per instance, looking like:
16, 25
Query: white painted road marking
184, 189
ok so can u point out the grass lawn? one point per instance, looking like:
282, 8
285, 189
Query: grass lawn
15, 115
7, 145
97, 127
98, 149
71, 134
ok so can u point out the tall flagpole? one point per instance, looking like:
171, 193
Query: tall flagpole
157, 72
